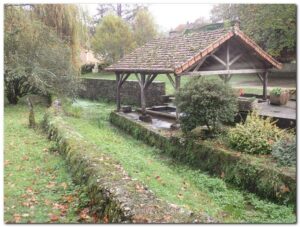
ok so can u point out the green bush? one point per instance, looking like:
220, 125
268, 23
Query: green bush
255, 136
87, 68
285, 151
206, 103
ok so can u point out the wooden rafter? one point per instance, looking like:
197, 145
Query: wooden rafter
219, 59
217, 72
171, 80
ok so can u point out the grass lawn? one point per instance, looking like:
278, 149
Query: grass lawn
235, 80
171, 181
37, 186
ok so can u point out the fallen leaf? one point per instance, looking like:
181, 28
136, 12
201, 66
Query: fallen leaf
25, 158
6, 162
25, 215
284, 188
53, 217
51, 184
17, 217
47, 202
26, 204
157, 177
84, 214
69, 198
105, 219
64, 185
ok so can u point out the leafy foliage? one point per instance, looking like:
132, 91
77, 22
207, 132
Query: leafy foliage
255, 136
285, 151
35, 59
144, 28
67, 21
276, 91
113, 38
206, 102
272, 26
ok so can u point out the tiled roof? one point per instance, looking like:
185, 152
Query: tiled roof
176, 54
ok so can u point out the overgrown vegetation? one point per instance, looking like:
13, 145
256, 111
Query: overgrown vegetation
285, 151
37, 185
36, 60
170, 180
206, 102
276, 35
255, 136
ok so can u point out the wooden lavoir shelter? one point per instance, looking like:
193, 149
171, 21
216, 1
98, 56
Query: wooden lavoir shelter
222, 52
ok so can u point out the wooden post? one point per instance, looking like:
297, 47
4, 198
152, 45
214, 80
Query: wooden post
265, 85
177, 86
118, 94
143, 98
227, 78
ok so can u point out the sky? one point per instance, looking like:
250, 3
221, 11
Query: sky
168, 16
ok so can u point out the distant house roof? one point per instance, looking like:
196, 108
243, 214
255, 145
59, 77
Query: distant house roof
178, 53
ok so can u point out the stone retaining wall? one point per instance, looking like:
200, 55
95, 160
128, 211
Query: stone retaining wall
116, 196
96, 89
242, 170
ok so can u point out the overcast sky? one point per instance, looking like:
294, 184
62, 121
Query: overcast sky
169, 16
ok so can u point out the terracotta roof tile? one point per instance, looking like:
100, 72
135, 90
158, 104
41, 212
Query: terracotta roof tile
166, 54
177, 53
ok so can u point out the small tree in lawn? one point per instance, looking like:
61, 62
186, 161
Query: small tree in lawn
205, 102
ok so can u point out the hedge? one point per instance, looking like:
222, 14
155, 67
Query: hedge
244, 171
115, 195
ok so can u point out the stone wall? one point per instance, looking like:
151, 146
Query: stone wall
245, 171
130, 92
114, 194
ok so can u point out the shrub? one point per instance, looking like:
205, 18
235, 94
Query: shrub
87, 68
285, 151
205, 103
255, 136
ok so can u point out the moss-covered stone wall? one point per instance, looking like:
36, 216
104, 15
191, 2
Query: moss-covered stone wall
116, 196
245, 171
95, 88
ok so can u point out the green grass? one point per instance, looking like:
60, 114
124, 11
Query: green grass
37, 185
171, 181
235, 80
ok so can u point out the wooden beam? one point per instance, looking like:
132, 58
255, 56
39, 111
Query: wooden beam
260, 77
218, 72
177, 87
171, 80
218, 59
235, 59
124, 77
150, 80
200, 64
265, 85
143, 97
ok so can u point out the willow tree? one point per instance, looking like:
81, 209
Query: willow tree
36, 60
66, 19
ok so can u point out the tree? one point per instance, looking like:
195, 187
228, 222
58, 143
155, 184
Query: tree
122, 10
68, 22
272, 26
144, 28
35, 59
113, 38
205, 102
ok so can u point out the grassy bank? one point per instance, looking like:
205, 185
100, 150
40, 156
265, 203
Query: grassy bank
170, 181
37, 185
